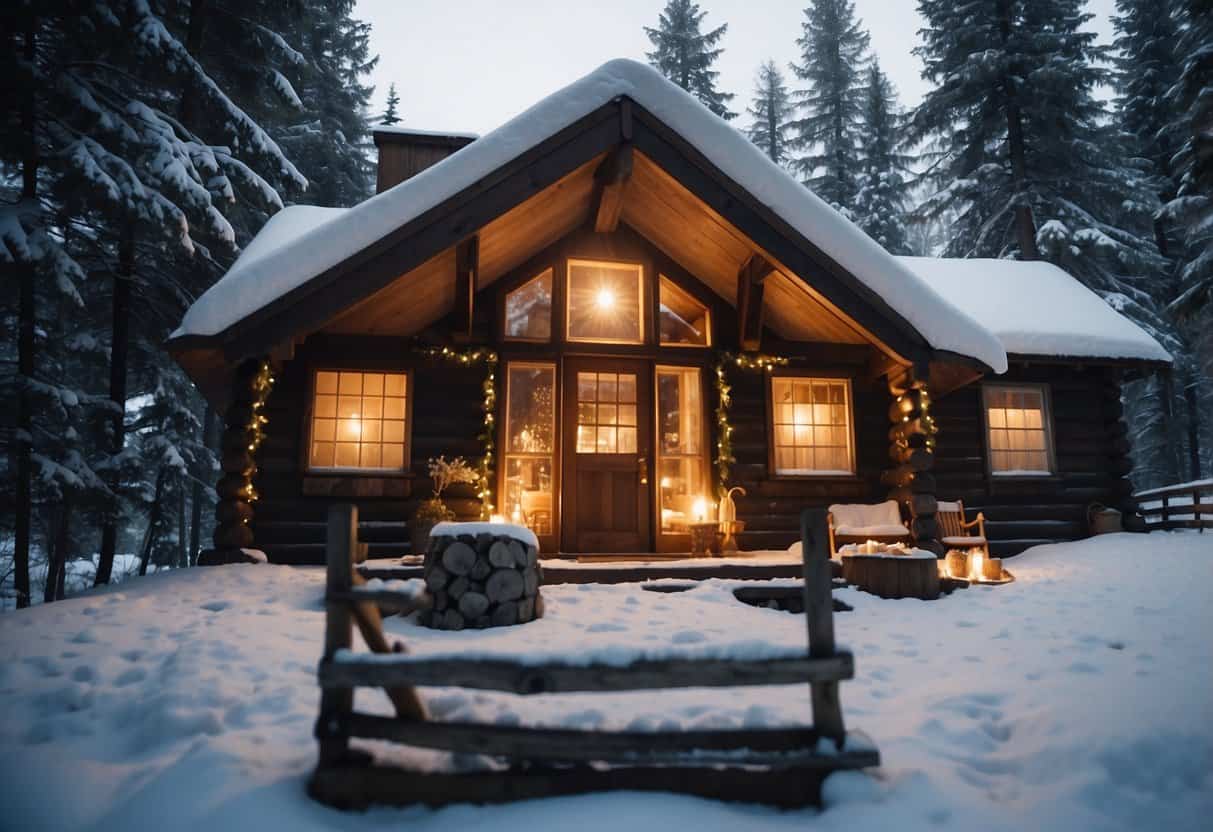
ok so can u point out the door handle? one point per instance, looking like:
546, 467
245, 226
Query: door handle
643, 465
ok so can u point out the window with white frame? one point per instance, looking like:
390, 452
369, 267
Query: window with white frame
811, 421
1017, 426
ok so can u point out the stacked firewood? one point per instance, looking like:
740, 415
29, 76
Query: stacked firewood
483, 580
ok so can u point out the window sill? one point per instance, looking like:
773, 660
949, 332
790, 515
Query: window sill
819, 477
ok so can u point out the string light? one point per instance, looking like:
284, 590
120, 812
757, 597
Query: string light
724, 431
488, 407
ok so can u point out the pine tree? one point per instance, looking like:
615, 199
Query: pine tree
1166, 418
770, 110
833, 49
685, 54
390, 115
880, 195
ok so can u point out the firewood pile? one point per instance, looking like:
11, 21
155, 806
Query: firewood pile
483, 580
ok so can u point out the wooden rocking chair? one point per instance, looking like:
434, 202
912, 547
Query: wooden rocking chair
783, 766
955, 533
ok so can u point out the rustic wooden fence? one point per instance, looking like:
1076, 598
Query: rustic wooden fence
782, 766
1184, 506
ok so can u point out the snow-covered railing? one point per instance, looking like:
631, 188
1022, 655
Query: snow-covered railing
1187, 505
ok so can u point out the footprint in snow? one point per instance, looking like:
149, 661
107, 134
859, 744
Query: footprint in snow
688, 637
216, 606
131, 655
130, 676
84, 673
1083, 667
83, 637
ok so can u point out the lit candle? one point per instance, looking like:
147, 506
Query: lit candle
975, 566
699, 509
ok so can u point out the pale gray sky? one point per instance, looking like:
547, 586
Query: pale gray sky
472, 64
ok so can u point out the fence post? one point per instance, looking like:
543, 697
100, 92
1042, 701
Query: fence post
1166, 514
341, 545
1196, 511
819, 619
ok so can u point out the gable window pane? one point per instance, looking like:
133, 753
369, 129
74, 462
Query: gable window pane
812, 426
1017, 430
604, 302
528, 310
358, 421
683, 321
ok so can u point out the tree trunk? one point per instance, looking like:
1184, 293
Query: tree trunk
119, 347
153, 519
56, 562
193, 45
25, 348
1192, 400
1025, 224
182, 551
196, 496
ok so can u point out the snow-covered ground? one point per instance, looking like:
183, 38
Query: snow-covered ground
1078, 697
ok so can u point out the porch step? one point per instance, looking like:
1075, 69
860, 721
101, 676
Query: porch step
312, 554
311, 531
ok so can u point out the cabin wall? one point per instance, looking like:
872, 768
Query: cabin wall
772, 505
1091, 458
290, 514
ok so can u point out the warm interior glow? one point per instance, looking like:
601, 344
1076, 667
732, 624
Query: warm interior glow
699, 510
605, 299
976, 557
496, 518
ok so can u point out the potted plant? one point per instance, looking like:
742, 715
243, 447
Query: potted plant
433, 511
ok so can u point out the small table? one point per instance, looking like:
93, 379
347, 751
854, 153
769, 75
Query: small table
912, 575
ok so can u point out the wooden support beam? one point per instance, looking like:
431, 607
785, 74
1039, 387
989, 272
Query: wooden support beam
467, 267
750, 279
611, 179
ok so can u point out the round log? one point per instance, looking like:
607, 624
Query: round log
238, 462
233, 511
459, 558
437, 578
526, 610
458, 587
235, 440
530, 582
481, 570
504, 614
519, 553
232, 535
472, 605
500, 555
504, 585
232, 486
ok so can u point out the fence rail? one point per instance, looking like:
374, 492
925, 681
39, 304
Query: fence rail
1188, 505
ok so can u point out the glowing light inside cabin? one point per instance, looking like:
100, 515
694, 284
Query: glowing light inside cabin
605, 299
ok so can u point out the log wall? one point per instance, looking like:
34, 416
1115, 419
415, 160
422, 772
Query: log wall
1091, 457
289, 525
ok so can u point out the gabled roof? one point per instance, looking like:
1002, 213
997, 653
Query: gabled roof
310, 257
1037, 309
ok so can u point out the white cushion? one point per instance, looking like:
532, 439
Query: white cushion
860, 515
964, 541
943, 506
884, 529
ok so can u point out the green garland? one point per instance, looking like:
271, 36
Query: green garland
724, 431
488, 406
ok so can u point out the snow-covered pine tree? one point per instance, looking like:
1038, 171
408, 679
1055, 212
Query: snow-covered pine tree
330, 138
391, 114
770, 110
1166, 419
880, 194
685, 54
834, 51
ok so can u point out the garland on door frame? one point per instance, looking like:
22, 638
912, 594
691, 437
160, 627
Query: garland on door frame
488, 407
724, 431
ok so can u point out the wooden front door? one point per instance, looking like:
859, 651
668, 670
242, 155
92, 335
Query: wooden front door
606, 439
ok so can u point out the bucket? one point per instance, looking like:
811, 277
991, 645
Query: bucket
1103, 520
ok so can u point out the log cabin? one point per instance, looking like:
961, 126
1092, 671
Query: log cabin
617, 307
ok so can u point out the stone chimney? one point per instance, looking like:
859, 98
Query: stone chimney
404, 153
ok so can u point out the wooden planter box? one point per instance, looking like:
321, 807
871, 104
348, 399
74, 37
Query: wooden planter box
894, 576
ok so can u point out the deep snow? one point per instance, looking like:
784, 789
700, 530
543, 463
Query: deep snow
1078, 697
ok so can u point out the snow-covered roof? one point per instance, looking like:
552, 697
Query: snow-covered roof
400, 130
1035, 308
252, 284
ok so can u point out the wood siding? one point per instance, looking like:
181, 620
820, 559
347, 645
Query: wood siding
289, 520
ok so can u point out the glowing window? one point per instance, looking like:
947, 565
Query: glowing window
606, 413
1018, 430
812, 425
530, 430
680, 448
528, 310
682, 320
359, 421
604, 302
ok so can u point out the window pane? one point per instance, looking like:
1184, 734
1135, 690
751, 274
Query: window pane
528, 310
1017, 430
348, 425
530, 444
596, 431
627, 440
680, 483
682, 319
812, 433
680, 459
604, 302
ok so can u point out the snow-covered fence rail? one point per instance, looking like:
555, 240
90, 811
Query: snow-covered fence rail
1186, 505
783, 766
